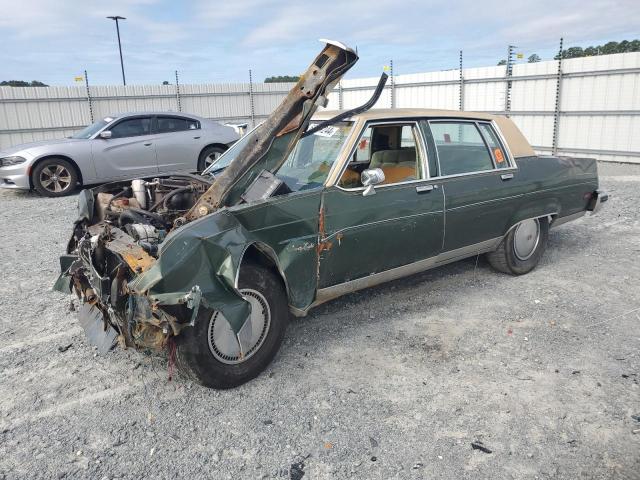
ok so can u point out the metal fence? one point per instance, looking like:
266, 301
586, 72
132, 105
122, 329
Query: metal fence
586, 106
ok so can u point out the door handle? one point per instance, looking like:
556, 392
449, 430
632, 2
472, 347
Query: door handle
425, 188
506, 176
196, 138
147, 144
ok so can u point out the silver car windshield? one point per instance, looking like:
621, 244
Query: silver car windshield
91, 130
230, 155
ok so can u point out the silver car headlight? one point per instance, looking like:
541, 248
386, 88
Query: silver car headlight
8, 161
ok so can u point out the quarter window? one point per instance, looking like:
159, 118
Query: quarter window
132, 127
494, 144
461, 148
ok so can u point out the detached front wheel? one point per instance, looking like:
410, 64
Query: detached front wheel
522, 248
209, 353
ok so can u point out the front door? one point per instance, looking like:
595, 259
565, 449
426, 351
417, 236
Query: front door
129, 152
402, 223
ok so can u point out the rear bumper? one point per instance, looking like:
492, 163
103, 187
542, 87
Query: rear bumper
597, 199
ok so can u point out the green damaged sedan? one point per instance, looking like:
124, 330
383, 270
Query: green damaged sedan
305, 208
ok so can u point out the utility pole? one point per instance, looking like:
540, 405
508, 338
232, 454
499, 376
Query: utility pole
116, 18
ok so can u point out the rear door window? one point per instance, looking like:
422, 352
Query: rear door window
176, 124
461, 148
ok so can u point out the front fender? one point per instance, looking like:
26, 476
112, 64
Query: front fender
205, 254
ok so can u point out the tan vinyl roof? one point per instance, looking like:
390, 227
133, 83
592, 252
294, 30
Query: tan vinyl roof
518, 144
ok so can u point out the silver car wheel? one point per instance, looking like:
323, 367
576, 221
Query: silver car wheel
55, 178
222, 341
526, 238
211, 159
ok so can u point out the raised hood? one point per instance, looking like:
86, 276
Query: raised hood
278, 135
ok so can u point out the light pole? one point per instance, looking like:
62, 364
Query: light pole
116, 18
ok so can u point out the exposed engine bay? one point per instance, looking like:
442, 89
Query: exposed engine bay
148, 209
119, 237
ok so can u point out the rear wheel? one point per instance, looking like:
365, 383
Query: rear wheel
54, 177
209, 353
522, 247
209, 156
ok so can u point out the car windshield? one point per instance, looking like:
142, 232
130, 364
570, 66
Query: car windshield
309, 163
91, 130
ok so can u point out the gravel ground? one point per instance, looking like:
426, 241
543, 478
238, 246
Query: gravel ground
397, 381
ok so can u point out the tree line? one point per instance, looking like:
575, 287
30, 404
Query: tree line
577, 52
22, 83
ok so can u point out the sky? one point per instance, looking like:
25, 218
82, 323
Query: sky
213, 41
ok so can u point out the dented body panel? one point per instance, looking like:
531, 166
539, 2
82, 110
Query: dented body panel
146, 272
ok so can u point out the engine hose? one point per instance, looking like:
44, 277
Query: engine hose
164, 200
145, 213
133, 217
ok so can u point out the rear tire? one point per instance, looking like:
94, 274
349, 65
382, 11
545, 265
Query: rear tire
54, 177
521, 249
209, 156
203, 351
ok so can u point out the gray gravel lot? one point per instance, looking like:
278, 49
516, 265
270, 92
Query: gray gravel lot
392, 382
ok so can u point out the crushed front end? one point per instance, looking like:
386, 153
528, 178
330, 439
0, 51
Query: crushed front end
115, 241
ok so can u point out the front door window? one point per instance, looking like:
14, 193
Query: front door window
393, 148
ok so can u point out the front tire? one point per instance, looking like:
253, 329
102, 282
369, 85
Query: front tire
54, 177
522, 248
209, 156
208, 353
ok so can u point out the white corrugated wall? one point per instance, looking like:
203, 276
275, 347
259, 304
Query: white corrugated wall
599, 103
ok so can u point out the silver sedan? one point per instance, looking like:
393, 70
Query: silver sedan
116, 147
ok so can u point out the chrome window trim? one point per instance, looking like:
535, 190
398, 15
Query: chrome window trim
421, 145
512, 164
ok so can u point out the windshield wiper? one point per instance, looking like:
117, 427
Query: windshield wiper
354, 111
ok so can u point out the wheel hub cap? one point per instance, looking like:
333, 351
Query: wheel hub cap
526, 238
55, 178
223, 343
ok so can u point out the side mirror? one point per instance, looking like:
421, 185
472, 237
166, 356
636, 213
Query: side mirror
106, 134
370, 178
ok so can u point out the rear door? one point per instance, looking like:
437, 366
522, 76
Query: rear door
476, 174
178, 143
129, 152
402, 223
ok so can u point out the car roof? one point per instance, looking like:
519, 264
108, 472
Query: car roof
518, 144
137, 114
389, 113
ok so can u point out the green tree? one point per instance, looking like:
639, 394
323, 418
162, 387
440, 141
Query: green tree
533, 58
281, 79
22, 83
166, 82
502, 62
607, 49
